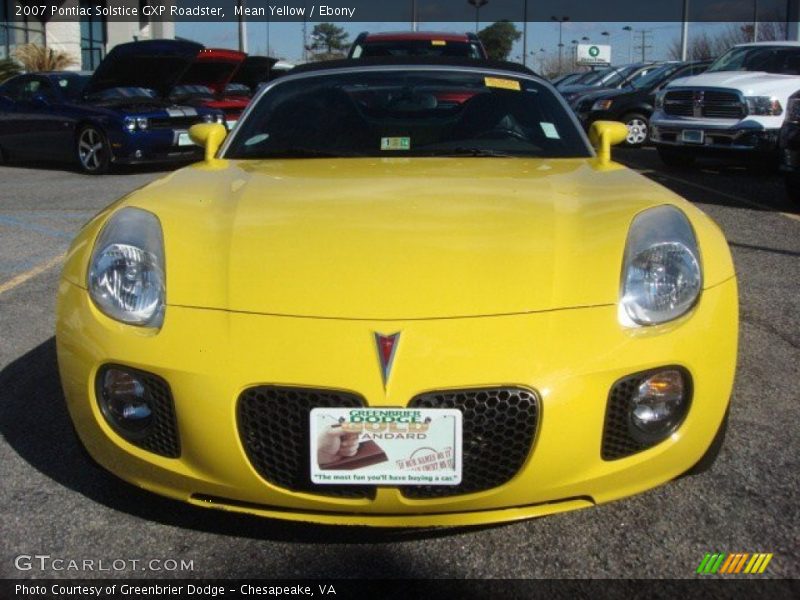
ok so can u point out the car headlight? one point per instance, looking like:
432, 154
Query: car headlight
126, 278
661, 273
220, 119
142, 123
602, 104
129, 123
765, 106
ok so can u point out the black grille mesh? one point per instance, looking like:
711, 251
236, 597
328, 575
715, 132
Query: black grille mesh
274, 429
499, 425
617, 439
162, 437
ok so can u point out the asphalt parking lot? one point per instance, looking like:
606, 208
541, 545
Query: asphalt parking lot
53, 501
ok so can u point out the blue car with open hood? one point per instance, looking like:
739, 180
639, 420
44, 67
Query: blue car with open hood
120, 114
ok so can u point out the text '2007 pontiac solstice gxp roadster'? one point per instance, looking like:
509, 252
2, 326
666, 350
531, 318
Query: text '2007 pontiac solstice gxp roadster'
401, 293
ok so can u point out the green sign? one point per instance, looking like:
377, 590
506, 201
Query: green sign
594, 51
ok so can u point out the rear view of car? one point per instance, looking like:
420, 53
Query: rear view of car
427, 43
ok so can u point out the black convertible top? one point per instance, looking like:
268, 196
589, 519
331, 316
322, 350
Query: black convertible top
412, 61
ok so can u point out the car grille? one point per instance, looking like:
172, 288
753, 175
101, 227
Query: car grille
499, 425
274, 429
714, 104
162, 435
175, 122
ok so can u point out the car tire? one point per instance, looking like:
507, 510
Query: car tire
3, 156
92, 151
710, 457
792, 183
675, 158
638, 129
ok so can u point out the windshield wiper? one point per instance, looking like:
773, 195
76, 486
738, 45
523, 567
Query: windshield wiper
466, 151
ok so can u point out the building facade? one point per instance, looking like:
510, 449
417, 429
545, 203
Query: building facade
87, 39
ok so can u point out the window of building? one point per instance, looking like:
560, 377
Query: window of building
17, 30
93, 36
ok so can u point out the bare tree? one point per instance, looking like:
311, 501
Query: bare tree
704, 46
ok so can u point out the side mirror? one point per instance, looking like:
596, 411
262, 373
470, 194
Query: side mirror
210, 136
603, 135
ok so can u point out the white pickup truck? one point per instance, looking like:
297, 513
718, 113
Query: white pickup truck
736, 107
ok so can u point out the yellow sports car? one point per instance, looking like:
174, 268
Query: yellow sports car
400, 293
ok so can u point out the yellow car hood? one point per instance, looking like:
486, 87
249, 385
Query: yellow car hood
397, 238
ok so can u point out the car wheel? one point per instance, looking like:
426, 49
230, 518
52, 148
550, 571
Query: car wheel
93, 152
710, 457
792, 182
674, 158
638, 130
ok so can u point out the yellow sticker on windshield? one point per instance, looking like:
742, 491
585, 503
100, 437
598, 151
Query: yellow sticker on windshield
396, 143
505, 84
438, 43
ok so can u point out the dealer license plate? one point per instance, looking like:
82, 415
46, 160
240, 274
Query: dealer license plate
374, 446
693, 136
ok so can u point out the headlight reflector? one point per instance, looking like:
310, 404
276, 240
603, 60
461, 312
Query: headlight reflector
661, 277
658, 405
129, 123
142, 123
126, 277
764, 106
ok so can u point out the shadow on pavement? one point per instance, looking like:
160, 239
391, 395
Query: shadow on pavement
35, 423
115, 170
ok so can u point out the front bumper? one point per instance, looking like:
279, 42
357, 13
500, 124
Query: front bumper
153, 146
718, 139
571, 358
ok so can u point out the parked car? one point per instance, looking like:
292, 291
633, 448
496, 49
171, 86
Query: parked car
790, 147
735, 108
633, 105
568, 79
339, 316
205, 83
417, 43
118, 115
254, 72
606, 78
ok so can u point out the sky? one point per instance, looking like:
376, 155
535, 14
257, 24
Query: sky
285, 39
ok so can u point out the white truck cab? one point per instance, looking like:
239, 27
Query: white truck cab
736, 107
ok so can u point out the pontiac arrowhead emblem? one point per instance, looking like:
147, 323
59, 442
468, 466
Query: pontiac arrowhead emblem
387, 346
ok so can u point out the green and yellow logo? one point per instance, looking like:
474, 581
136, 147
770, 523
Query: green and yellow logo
734, 564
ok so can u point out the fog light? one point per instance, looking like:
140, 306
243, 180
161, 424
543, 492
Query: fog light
124, 402
658, 405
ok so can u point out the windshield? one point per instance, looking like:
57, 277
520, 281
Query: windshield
654, 77
402, 114
125, 93
783, 60
593, 76
191, 91
237, 89
417, 48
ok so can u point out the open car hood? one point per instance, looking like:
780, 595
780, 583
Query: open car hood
153, 64
254, 70
213, 68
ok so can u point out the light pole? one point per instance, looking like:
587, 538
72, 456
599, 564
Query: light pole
525, 33
478, 4
629, 29
413, 15
684, 32
574, 54
242, 28
560, 21
755, 20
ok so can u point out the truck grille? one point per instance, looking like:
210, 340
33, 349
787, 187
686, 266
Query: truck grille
175, 122
712, 104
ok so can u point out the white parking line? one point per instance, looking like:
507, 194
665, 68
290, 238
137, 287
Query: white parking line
711, 190
30, 274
